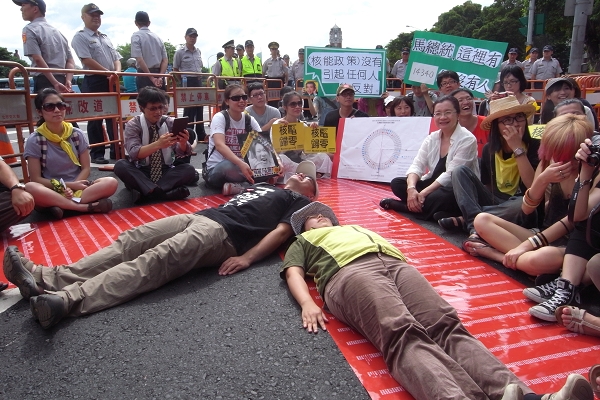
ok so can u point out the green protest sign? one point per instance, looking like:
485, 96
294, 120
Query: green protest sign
365, 70
477, 62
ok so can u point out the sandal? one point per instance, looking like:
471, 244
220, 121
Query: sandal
474, 238
578, 323
452, 223
100, 206
593, 375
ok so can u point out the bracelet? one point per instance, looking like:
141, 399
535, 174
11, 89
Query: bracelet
411, 187
565, 225
529, 205
531, 199
584, 183
541, 236
532, 240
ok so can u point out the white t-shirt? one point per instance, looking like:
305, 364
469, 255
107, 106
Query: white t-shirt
217, 127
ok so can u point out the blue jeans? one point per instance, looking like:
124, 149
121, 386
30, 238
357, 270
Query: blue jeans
224, 171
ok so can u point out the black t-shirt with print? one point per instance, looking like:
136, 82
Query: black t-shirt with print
250, 216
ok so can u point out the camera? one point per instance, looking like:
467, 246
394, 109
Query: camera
593, 160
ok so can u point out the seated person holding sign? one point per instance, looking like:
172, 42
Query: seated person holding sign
153, 148
366, 283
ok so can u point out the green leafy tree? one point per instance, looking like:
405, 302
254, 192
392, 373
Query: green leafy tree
500, 23
125, 52
461, 20
6, 55
592, 35
170, 51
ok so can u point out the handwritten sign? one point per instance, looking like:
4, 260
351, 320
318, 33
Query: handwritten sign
476, 62
364, 69
536, 131
301, 137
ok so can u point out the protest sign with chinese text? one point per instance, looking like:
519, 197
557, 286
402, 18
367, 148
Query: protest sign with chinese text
365, 70
257, 151
477, 62
301, 137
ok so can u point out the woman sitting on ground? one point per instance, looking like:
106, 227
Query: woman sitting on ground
292, 105
557, 90
58, 161
402, 106
508, 165
467, 118
557, 171
427, 187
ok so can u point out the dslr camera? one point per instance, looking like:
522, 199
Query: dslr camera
593, 160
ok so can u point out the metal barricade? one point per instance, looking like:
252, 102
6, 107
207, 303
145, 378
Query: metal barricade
194, 96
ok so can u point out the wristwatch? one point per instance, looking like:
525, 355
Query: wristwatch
519, 151
18, 186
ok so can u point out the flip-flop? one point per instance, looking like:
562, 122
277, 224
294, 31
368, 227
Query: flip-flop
452, 223
474, 238
593, 375
577, 320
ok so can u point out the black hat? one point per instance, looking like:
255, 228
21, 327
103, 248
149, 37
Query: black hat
191, 32
379, 46
513, 50
273, 44
91, 8
220, 55
301, 51
142, 17
534, 50
548, 48
239, 47
229, 44
249, 43
38, 3
405, 50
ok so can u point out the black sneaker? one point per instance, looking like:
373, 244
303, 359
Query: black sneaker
564, 294
541, 293
48, 309
15, 271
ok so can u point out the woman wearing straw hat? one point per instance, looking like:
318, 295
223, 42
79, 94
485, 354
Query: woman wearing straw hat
508, 165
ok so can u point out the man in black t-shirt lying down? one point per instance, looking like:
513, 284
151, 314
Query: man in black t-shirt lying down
232, 236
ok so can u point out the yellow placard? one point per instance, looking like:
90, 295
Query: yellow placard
301, 137
536, 131
320, 140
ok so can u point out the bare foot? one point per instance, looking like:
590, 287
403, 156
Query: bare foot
578, 320
482, 250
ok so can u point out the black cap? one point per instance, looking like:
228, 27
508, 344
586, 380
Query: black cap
548, 48
513, 50
191, 32
249, 43
220, 55
379, 46
239, 47
37, 3
229, 44
142, 17
273, 44
405, 50
301, 51
534, 50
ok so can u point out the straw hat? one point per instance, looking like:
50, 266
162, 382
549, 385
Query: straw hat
315, 208
506, 106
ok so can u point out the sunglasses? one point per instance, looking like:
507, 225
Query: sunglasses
295, 104
239, 97
49, 107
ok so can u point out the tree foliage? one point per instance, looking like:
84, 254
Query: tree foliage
461, 20
394, 47
6, 55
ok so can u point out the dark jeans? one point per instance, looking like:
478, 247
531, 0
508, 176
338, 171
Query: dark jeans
98, 84
41, 82
143, 81
138, 178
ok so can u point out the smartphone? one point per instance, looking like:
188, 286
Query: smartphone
179, 124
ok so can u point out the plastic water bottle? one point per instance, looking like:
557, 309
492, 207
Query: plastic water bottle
184, 79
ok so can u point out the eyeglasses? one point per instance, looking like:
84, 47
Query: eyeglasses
239, 97
295, 104
511, 82
49, 107
156, 108
258, 95
446, 114
448, 83
511, 120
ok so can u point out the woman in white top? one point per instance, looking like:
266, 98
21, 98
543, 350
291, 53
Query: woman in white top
292, 104
427, 187
225, 162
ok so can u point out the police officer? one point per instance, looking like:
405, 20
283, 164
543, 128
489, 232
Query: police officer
96, 52
251, 64
227, 65
297, 69
189, 59
149, 52
46, 47
275, 68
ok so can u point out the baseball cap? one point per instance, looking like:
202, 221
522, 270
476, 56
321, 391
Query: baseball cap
513, 50
379, 46
249, 43
405, 50
239, 47
343, 87
90, 9
38, 3
132, 61
534, 50
548, 48
191, 32
309, 169
301, 51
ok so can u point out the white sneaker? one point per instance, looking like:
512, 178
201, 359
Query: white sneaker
576, 388
231, 189
513, 392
